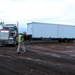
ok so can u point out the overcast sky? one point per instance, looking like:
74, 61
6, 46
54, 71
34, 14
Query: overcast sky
48, 11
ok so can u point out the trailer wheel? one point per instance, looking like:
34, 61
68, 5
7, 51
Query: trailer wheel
70, 40
59, 40
64, 40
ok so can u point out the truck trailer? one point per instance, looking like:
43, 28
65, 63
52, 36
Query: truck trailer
51, 31
8, 34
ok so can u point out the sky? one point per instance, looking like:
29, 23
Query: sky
47, 11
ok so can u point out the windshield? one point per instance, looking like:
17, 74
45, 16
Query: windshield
10, 28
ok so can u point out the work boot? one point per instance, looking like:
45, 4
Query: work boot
18, 52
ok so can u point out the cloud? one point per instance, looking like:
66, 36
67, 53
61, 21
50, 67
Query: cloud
60, 11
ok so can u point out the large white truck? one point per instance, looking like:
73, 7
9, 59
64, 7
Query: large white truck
8, 34
58, 32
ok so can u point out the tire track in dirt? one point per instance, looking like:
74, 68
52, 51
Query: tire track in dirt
35, 62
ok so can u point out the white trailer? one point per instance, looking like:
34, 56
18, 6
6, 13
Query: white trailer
52, 31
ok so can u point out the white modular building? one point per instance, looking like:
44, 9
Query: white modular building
48, 30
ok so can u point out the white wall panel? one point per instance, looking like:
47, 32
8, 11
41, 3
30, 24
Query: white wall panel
66, 31
46, 30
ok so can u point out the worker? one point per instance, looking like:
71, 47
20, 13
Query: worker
24, 35
20, 43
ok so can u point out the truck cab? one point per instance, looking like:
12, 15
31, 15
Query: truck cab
9, 34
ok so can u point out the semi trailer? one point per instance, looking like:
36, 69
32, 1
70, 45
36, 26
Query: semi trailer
51, 31
8, 34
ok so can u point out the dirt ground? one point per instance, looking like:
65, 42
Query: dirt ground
39, 59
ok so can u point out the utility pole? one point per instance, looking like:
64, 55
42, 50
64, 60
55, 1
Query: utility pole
18, 26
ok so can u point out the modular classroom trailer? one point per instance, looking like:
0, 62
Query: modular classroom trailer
58, 32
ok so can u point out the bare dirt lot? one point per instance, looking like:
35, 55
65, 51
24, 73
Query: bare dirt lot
40, 59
